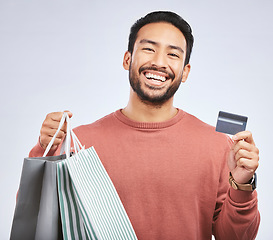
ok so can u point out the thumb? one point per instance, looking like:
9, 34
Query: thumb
70, 114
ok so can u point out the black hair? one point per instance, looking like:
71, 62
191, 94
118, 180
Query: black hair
163, 16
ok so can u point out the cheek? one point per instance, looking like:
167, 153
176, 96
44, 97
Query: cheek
181, 71
141, 59
177, 68
134, 62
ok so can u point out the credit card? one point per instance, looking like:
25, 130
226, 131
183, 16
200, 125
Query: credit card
230, 123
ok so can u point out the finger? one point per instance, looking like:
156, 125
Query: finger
45, 140
242, 153
64, 127
52, 121
244, 145
55, 119
56, 144
249, 165
50, 132
55, 116
70, 114
245, 135
60, 134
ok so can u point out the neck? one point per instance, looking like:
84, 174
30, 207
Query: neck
140, 111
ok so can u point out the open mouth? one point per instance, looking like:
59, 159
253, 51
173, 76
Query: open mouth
155, 77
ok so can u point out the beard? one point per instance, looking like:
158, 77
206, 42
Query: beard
156, 95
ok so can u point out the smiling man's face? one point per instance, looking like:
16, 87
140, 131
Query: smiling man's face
156, 66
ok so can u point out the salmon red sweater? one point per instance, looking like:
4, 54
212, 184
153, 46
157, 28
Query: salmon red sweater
172, 177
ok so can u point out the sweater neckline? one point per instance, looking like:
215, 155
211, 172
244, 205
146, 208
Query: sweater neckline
149, 125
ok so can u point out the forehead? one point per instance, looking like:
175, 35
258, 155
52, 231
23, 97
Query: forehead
163, 33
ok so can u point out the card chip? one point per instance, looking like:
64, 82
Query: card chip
230, 123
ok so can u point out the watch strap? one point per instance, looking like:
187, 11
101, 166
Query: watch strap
243, 187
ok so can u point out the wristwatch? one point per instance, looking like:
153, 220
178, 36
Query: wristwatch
250, 186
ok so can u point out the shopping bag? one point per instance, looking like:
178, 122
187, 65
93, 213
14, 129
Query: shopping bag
37, 214
101, 209
92, 192
89, 204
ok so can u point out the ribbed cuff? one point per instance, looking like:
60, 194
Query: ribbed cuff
239, 196
38, 151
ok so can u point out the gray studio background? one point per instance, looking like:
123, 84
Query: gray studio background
58, 55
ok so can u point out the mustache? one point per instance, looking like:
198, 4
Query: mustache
170, 75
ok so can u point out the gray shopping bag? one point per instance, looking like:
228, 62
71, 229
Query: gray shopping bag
37, 214
90, 207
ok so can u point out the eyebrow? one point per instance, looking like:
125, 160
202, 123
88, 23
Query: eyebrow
156, 44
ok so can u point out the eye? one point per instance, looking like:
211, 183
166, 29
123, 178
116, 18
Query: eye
148, 49
174, 55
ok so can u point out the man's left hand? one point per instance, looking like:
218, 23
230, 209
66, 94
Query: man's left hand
243, 158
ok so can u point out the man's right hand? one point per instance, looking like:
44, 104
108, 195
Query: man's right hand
49, 128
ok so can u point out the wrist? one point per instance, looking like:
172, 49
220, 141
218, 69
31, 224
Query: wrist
250, 186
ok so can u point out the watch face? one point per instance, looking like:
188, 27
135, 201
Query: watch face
254, 183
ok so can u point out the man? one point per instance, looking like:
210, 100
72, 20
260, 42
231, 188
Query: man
170, 170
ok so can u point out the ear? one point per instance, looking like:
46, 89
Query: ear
127, 60
186, 72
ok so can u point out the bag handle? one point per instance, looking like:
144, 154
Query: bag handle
65, 148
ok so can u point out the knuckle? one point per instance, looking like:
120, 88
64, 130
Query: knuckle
241, 152
44, 141
240, 144
54, 147
58, 115
42, 131
49, 115
255, 156
57, 141
60, 135
44, 138
54, 116
240, 162
46, 123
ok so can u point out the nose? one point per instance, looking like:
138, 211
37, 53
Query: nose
159, 60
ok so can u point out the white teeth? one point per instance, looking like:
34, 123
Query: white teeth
157, 77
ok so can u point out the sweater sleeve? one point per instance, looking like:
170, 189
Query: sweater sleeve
236, 213
239, 217
38, 151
